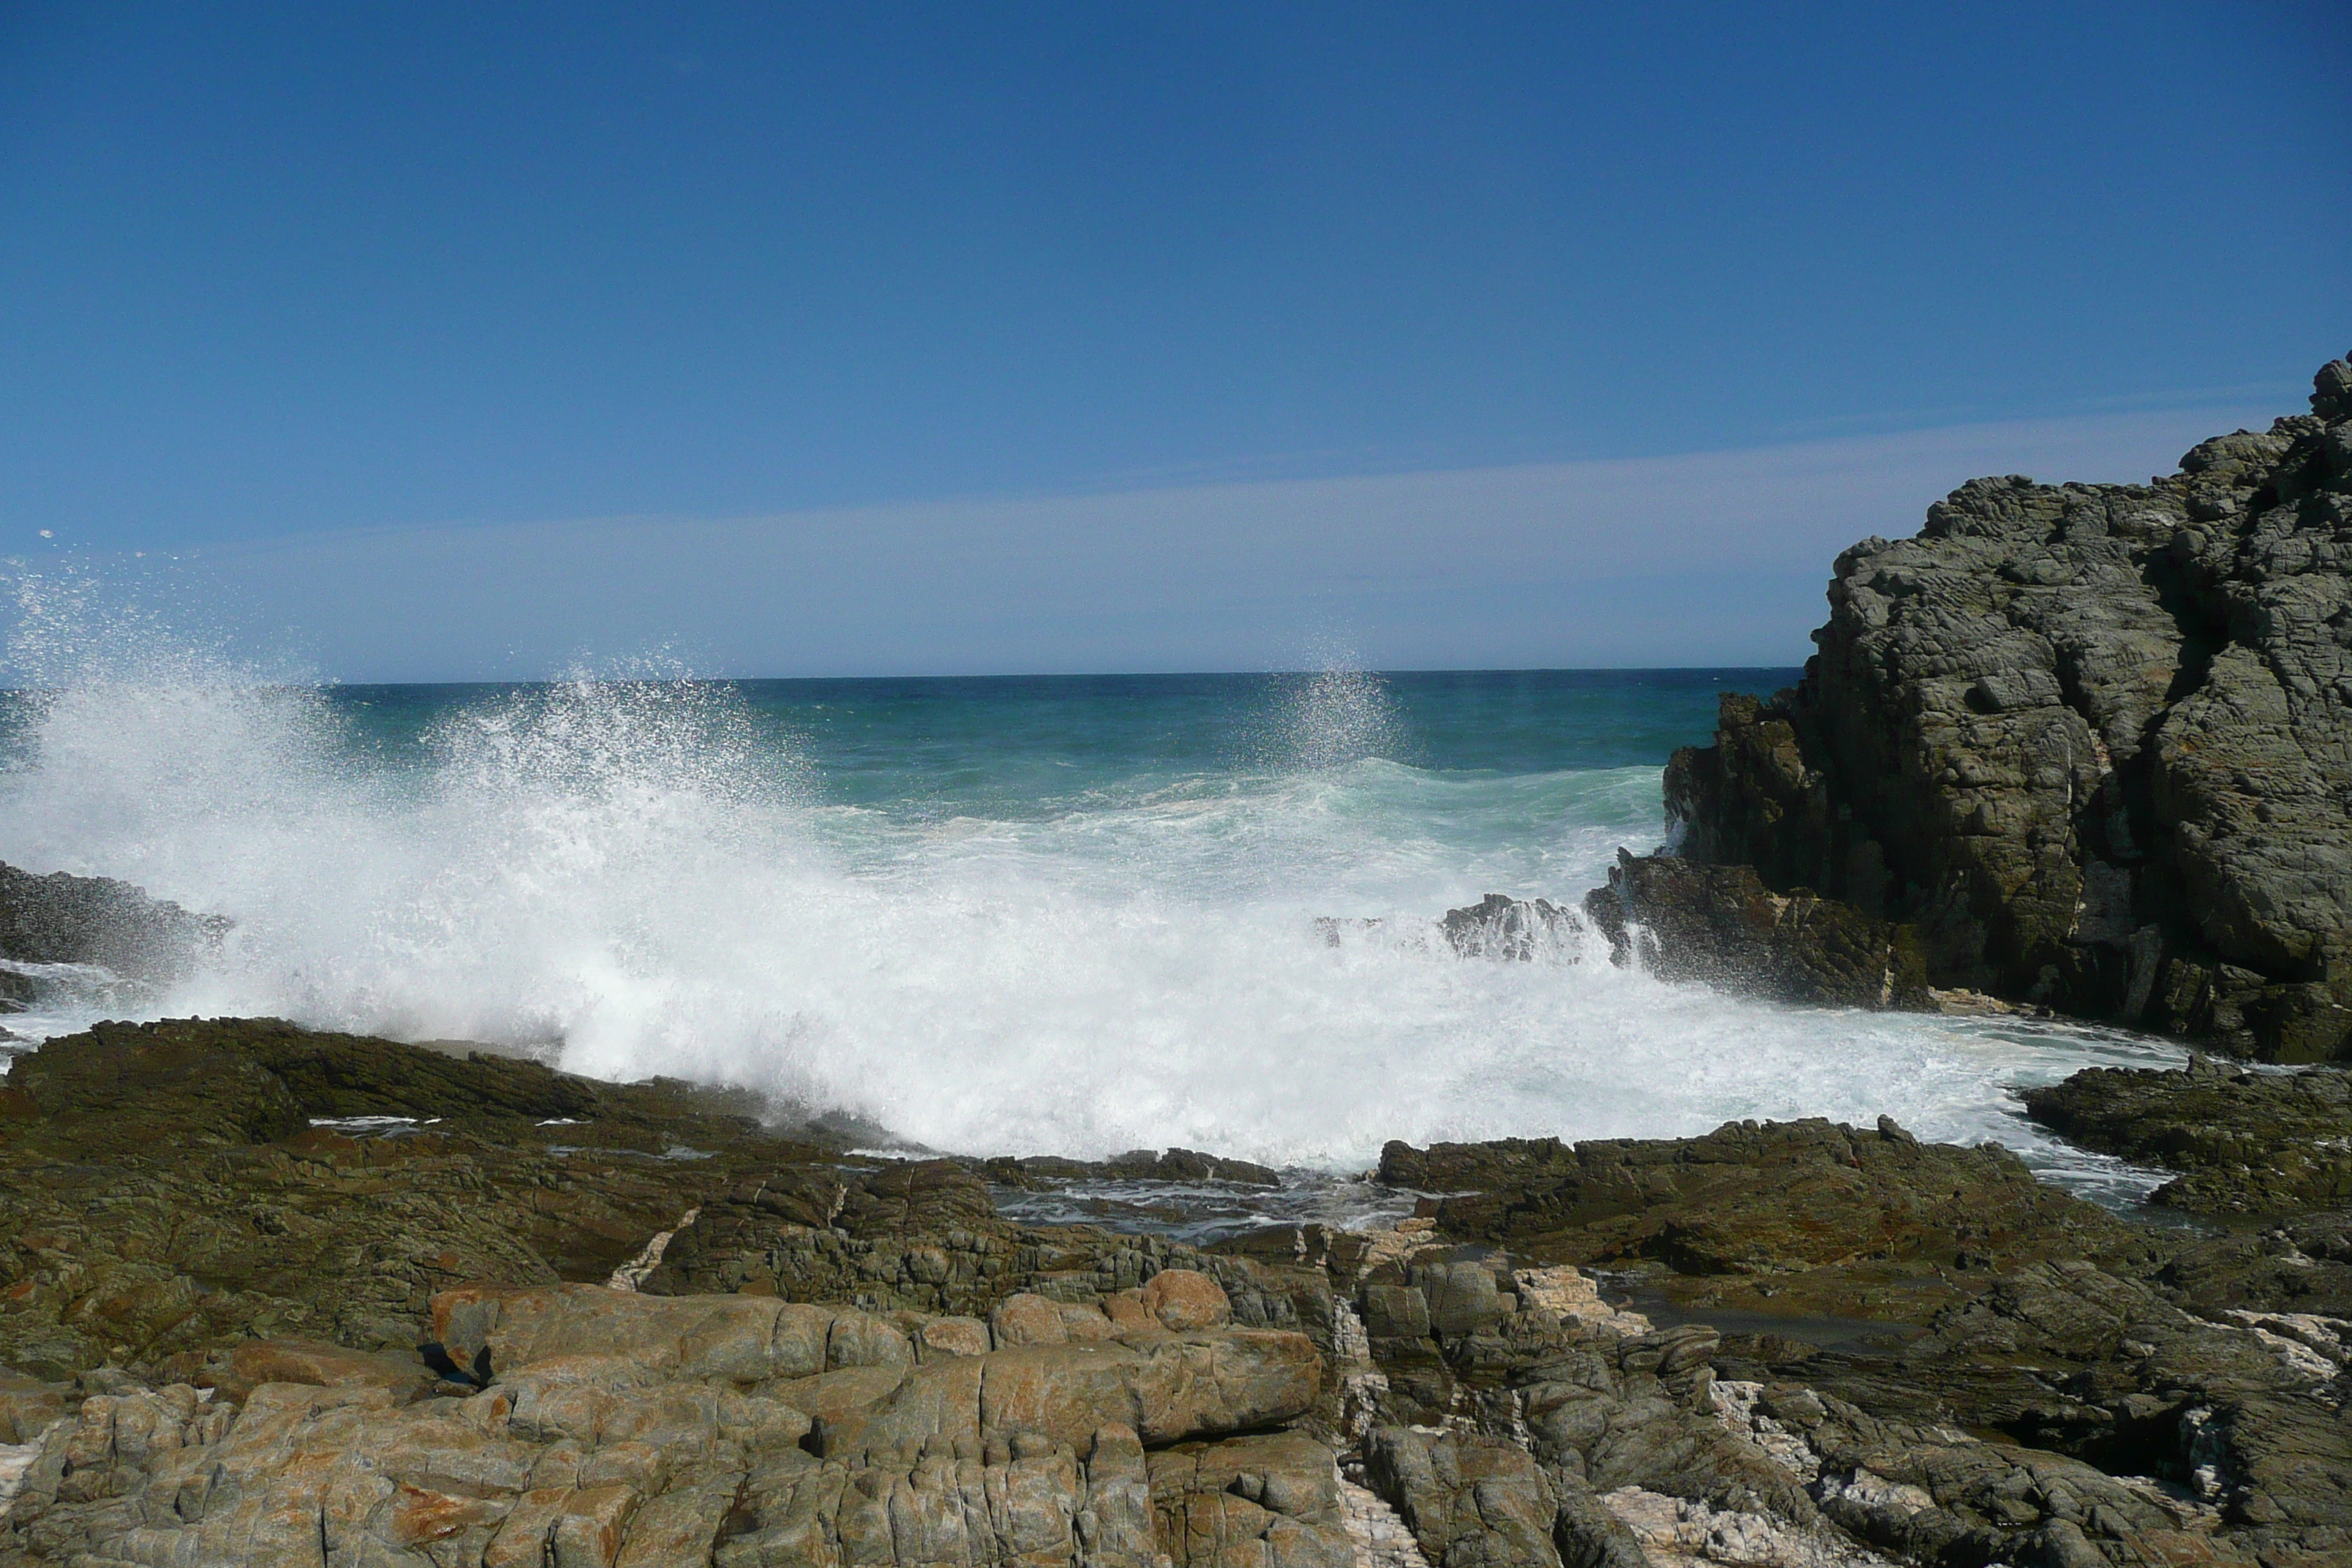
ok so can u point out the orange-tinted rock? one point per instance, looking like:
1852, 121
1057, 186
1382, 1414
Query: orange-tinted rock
1182, 1299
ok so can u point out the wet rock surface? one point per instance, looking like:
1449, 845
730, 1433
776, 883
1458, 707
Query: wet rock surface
1684, 920
2246, 1143
1515, 930
2089, 742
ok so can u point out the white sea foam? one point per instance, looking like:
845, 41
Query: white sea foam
633, 868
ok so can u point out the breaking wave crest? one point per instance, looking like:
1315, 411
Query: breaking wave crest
656, 875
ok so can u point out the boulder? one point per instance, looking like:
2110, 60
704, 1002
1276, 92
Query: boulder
1183, 1299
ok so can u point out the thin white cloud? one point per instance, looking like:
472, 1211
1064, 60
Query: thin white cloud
1710, 558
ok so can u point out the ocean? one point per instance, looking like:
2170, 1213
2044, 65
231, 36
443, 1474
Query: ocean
1074, 915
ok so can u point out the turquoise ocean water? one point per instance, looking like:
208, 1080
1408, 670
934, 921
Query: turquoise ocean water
1069, 914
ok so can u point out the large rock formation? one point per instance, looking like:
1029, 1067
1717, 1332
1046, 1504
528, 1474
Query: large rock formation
2091, 743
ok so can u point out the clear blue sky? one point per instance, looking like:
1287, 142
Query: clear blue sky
266, 271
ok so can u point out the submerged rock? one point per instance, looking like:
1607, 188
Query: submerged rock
1517, 930
2090, 741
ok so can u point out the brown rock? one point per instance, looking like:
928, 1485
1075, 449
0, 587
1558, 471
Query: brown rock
257, 1362
1184, 1299
954, 1336
1249, 1501
1026, 1321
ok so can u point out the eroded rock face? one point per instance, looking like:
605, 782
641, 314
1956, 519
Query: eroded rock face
621, 1429
2092, 741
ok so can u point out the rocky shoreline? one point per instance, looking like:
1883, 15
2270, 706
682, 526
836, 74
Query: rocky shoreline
274, 1295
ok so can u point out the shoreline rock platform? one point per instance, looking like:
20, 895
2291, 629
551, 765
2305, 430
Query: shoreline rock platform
271, 1295
275, 1295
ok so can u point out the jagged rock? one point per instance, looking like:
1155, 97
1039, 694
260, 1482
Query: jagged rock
1270, 1502
2303, 1266
61, 919
2246, 1142
2247, 1424
1471, 1501
1515, 930
618, 1429
1684, 920
2092, 740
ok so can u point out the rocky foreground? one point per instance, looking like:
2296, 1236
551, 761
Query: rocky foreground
274, 1295
2086, 747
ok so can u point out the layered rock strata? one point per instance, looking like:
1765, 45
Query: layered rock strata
2091, 744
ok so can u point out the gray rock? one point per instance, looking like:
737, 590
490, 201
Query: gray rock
2093, 741
1517, 930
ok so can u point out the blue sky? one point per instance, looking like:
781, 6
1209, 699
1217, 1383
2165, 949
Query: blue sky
381, 315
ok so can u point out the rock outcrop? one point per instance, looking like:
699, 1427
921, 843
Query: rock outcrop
1685, 919
619, 1429
2091, 743
2175, 1402
1808, 1218
2246, 1143
118, 937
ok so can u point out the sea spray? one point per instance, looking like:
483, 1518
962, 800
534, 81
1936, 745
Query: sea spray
664, 875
